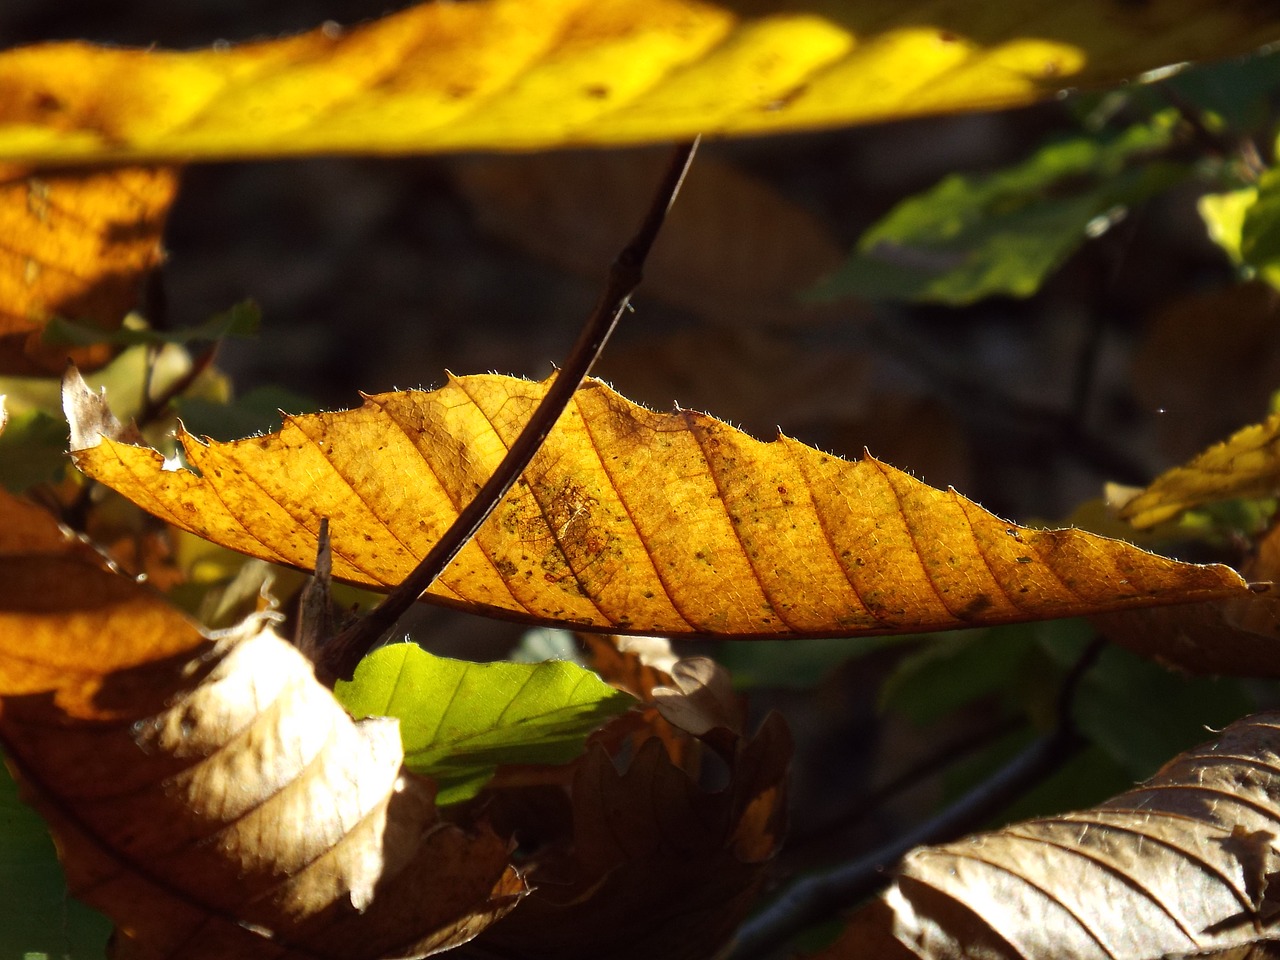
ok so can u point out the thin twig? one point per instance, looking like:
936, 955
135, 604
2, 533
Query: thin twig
339, 657
819, 897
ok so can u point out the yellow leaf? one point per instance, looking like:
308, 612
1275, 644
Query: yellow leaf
1246, 465
528, 74
76, 245
211, 796
637, 522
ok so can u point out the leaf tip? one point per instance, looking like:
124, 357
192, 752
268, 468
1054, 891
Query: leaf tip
87, 412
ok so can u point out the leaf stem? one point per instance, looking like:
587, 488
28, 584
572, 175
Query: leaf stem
338, 658
818, 897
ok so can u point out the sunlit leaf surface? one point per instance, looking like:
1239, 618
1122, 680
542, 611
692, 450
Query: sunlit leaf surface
1246, 465
974, 236
1181, 865
634, 521
211, 797
74, 245
459, 720
518, 74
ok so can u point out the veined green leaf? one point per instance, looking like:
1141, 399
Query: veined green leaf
460, 720
33, 449
972, 237
1260, 231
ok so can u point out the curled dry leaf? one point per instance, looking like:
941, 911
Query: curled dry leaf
1246, 465
523, 74
212, 797
630, 521
78, 244
700, 699
1181, 865
640, 665
649, 843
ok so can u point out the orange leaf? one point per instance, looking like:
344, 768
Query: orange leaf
527, 74
77, 245
211, 797
636, 522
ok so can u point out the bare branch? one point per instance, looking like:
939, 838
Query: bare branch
338, 658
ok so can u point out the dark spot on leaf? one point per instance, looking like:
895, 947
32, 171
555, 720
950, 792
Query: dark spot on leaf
47, 102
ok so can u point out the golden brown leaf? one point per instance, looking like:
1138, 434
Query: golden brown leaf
524, 74
638, 522
1181, 865
77, 245
1246, 465
657, 867
212, 797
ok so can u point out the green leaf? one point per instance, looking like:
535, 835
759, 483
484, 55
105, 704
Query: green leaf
971, 237
33, 449
954, 669
37, 915
1260, 232
242, 320
1246, 224
460, 720
1140, 713
1236, 93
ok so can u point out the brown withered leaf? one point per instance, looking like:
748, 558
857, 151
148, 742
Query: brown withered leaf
1182, 865
77, 244
657, 866
631, 521
639, 666
532, 74
211, 797
701, 699
720, 255
1234, 637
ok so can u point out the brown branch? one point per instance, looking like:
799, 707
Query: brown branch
338, 658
